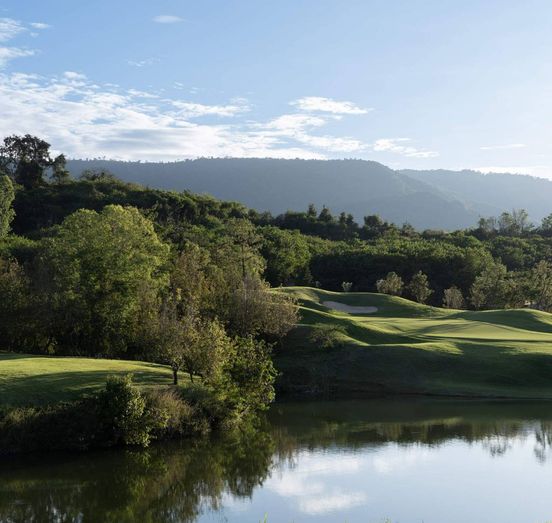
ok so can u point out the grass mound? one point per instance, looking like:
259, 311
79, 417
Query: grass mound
40, 380
411, 348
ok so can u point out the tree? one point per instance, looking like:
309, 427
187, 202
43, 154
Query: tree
540, 285
97, 268
346, 286
187, 342
245, 237
60, 174
7, 195
546, 225
246, 381
419, 287
287, 256
25, 159
452, 298
392, 284
495, 288
255, 309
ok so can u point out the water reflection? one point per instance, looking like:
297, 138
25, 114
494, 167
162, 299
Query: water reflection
311, 461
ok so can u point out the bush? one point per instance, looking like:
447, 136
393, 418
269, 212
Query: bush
170, 415
327, 336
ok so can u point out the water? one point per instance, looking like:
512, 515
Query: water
345, 461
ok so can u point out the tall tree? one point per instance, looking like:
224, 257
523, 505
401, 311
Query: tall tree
419, 287
7, 195
98, 265
25, 159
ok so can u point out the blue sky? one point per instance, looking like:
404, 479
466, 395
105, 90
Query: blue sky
410, 83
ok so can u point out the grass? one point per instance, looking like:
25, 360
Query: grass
40, 380
407, 347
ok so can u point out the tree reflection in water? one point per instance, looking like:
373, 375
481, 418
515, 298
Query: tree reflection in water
178, 481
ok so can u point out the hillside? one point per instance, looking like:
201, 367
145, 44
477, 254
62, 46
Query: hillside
427, 199
355, 186
37, 380
411, 348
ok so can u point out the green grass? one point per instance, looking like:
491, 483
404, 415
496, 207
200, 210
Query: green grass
410, 348
39, 380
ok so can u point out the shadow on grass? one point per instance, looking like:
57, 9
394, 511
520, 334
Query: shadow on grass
66, 386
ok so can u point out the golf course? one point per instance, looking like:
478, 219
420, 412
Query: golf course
386, 344
40, 380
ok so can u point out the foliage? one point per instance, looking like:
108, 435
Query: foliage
392, 284
452, 298
419, 287
96, 269
7, 195
327, 335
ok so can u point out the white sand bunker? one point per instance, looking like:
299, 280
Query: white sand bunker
351, 309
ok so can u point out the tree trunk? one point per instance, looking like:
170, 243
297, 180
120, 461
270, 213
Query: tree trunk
175, 376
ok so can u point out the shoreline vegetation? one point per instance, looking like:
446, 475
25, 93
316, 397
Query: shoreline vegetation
171, 314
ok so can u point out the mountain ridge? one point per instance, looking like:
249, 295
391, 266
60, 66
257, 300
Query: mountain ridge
437, 199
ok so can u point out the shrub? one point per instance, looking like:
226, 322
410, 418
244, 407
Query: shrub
327, 336
169, 414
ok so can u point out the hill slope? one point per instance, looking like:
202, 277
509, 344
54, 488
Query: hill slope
39, 380
411, 348
355, 186
427, 199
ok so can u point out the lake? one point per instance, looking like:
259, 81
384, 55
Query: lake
355, 461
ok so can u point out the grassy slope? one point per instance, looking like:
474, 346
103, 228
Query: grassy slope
408, 347
26, 379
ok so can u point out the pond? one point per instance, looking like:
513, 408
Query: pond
356, 461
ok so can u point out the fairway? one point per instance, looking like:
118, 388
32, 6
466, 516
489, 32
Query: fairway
403, 346
39, 380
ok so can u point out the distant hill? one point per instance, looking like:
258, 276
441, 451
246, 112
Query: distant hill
426, 199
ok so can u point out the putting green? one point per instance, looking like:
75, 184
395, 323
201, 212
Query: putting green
403, 346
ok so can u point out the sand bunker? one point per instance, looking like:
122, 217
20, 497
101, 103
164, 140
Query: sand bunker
342, 307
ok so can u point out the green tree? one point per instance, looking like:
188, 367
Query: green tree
246, 382
60, 174
25, 159
7, 195
98, 266
287, 256
419, 287
452, 298
495, 288
391, 284
540, 285
255, 309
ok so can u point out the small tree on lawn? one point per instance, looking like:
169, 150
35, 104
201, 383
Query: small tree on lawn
452, 298
419, 287
391, 284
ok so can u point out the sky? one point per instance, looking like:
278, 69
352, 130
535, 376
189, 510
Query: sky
420, 84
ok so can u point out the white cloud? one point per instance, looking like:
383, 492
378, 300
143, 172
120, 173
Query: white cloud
9, 53
297, 126
327, 105
505, 146
39, 25
10, 28
83, 119
142, 63
72, 75
167, 19
395, 145
194, 110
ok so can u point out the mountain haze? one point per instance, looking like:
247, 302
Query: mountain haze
426, 199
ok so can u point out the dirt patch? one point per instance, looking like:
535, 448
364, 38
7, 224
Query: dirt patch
351, 309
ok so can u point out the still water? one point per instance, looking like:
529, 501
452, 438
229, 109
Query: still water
430, 461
